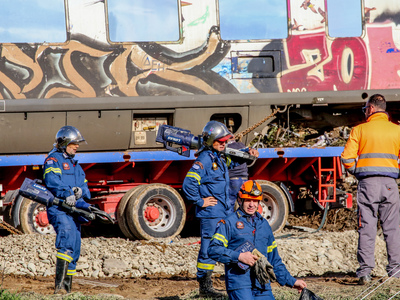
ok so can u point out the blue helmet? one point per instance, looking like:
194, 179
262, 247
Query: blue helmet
67, 135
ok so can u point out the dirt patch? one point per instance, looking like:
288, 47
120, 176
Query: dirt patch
185, 287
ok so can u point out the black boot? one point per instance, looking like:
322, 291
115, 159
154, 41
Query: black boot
61, 273
206, 287
68, 283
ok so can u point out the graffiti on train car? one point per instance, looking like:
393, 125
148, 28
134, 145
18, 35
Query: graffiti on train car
317, 63
82, 69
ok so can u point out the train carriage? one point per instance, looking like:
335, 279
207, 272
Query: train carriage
117, 70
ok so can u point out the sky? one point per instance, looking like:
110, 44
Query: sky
44, 20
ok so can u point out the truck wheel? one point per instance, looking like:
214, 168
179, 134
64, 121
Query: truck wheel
122, 222
33, 218
156, 211
275, 207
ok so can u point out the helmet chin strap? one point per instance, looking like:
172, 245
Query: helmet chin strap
64, 150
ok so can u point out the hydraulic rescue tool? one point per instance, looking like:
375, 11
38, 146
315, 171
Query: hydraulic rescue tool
169, 135
32, 190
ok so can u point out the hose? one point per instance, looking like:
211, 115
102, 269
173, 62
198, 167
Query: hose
323, 218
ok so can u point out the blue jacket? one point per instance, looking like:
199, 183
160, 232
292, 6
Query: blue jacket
208, 177
62, 173
237, 166
230, 234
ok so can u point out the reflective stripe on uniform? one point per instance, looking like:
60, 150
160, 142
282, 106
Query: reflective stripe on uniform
228, 161
64, 256
378, 155
71, 272
377, 169
221, 238
205, 266
272, 247
195, 176
348, 161
54, 170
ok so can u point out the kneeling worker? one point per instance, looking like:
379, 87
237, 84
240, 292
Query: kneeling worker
244, 242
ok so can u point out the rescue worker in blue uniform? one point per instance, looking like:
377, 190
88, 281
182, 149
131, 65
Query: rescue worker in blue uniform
238, 169
64, 177
243, 226
207, 186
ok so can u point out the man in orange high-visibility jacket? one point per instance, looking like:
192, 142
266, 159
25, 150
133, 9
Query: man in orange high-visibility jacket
371, 154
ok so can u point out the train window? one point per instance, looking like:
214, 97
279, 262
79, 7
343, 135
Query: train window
344, 18
253, 19
143, 20
232, 121
255, 64
33, 21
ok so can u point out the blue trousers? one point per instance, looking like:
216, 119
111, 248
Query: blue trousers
250, 294
207, 230
68, 240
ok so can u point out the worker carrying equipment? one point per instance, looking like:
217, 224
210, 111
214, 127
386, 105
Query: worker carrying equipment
169, 135
32, 190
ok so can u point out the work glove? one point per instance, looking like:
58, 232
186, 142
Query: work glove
263, 269
70, 200
77, 192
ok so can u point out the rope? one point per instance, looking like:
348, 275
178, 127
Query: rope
394, 295
9, 228
379, 280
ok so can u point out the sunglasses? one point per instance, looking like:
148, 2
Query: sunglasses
254, 190
221, 142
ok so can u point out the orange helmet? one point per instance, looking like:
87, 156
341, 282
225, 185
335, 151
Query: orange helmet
250, 190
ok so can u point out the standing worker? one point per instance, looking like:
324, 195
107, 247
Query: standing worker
376, 144
238, 170
244, 239
64, 177
207, 186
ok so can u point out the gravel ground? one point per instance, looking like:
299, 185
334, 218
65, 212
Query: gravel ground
304, 253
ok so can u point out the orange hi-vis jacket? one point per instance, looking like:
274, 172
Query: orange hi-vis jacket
376, 144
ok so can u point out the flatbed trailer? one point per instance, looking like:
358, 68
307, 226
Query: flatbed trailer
142, 189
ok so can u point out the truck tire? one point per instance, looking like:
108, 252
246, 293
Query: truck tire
33, 218
156, 211
122, 205
275, 207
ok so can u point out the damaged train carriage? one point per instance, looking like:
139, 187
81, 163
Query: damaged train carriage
118, 69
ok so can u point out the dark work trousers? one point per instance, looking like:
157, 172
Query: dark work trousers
234, 187
207, 230
378, 197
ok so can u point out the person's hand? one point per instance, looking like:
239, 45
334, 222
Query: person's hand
70, 200
300, 285
209, 201
77, 192
254, 152
247, 258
